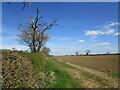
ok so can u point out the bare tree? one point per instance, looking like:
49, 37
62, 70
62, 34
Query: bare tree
25, 4
107, 53
14, 49
33, 33
45, 50
77, 53
87, 52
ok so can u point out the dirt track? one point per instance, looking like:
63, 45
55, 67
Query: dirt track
105, 63
88, 78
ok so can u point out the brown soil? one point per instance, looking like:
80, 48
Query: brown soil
105, 63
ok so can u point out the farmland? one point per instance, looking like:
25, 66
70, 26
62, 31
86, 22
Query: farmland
103, 63
92, 71
44, 71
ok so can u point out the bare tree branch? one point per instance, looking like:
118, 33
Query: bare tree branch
33, 32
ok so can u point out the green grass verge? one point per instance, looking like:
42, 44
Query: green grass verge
116, 75
38, 60
63, 79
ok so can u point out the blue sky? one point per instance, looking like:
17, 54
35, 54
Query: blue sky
81, 26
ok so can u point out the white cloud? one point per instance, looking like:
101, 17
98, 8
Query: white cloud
110, 49
103, 43
17, 46
94, 33
64, 38
67, 51
61, 51
74, 42
109, 25
116, 34
81, 40
110, 31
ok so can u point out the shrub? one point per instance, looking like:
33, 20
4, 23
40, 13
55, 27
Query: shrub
16, 70
25, 70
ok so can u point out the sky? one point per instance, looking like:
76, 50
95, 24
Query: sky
81, 26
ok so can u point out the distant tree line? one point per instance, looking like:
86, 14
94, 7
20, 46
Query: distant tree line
89, 51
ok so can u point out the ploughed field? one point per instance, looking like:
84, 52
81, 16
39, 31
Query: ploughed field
103, 63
